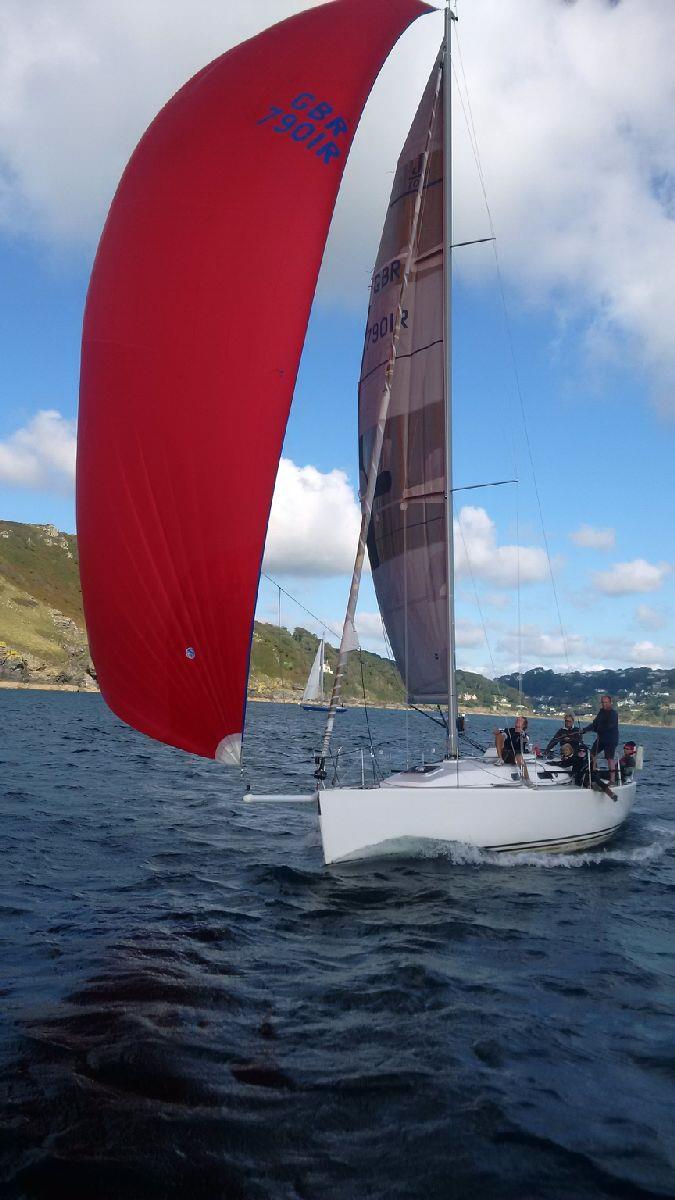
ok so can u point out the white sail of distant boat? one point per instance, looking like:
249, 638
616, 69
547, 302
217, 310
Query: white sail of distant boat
314, 686
314, 697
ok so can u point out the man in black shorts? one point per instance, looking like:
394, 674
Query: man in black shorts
606, 730
513, 743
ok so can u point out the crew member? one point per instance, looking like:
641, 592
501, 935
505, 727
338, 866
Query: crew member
569, 734
513, 743
627, 761
584, 774
606, 730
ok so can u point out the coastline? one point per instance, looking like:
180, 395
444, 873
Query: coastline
19, 686
16, 685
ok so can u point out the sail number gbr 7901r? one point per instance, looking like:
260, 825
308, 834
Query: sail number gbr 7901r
312, 123
384, 326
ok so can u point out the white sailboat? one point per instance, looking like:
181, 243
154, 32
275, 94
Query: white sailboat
405, 455
184, 400
314, 696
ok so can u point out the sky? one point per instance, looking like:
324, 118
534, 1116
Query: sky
571, 107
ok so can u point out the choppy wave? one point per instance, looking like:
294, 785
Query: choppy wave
197, 1008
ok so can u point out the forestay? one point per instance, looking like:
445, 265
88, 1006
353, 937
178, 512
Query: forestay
407, 536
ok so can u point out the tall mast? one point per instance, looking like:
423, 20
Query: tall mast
447, 294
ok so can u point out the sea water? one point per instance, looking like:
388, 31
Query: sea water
195, 1007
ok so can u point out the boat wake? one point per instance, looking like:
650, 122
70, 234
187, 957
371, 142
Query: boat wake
464, 855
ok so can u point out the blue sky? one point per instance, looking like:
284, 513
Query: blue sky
586, 237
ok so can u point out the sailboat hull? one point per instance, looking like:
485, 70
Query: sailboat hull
461, 805
323, 708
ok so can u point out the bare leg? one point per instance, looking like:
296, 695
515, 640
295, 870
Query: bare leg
523, 766
611, 768
499, 743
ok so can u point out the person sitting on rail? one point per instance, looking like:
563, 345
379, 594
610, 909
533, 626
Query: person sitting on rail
627, 761
513, 743
566, 759
569, 734
606, 730
584, 774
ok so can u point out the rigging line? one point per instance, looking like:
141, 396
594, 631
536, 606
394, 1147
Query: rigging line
281, 655
376, 772
390, 653
473, 242
471, 129
471, 487
475, 591
518, 615
436, 720
314, 617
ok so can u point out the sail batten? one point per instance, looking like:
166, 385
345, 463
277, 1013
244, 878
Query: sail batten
194, 325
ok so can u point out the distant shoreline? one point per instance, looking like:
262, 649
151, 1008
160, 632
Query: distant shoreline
19, 686
11, 685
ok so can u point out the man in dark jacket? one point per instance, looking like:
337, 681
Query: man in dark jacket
568, 735
606, 730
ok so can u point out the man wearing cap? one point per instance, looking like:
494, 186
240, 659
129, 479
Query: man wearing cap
569, 734
606, 730
627, 761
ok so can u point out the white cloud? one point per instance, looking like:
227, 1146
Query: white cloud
314, 523
646, 654
623, 579
477, 553
594, 539
370, 632
467, 635
62, 158
497, 599
578, 146
650, 618
573, 116
41, 455
535, 645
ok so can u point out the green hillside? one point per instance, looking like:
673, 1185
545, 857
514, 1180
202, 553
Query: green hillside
640, 693
43, 640
42, 636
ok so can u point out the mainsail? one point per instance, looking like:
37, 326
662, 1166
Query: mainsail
407, 541
195, 319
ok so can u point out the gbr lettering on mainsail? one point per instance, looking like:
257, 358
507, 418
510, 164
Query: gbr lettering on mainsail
188, 365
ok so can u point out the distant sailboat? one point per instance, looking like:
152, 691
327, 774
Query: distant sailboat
314, 697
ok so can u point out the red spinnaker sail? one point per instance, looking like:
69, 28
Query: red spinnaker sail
195, 320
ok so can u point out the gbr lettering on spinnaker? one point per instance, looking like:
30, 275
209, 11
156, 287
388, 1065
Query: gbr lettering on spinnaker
188, 365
